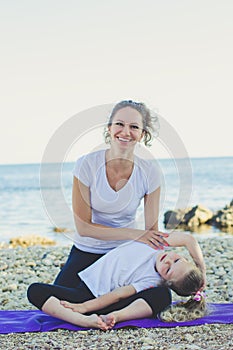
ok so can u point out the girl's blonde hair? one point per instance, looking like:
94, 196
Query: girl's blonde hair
185, 310
149, 120
194, 307
189, 284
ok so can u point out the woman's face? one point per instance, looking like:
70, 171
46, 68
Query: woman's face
126, 128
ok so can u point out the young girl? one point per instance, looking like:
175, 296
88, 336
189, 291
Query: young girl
124, 271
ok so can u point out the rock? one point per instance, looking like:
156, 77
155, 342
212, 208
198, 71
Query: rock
190, 217
189, 337
5, 301
10, 287
146, 340
197, 215
30, 240
30, 263
223, 217
175, 218
3, 267
4, 245
61, 229
48, 262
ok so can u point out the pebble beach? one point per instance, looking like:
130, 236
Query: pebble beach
22, 266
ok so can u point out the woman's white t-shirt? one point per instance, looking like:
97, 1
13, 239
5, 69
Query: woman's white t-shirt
109, 207
132, 263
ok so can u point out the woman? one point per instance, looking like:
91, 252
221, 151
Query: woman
108, 187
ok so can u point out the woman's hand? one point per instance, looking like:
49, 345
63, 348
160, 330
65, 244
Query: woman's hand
154, 239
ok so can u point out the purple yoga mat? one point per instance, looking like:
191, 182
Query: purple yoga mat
20, 321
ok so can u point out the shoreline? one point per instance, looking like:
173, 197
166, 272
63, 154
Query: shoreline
22, 266
204, 232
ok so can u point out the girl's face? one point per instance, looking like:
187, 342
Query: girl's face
126, 128
172, 266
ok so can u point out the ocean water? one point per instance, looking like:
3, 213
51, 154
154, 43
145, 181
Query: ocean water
35, 199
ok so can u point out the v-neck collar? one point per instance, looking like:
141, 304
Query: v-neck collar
106, 178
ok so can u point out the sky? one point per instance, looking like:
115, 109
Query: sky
60, 58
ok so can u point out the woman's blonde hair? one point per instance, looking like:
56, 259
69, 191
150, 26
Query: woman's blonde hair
194, 307
149, 120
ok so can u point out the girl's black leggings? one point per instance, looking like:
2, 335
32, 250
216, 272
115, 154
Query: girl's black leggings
69, 287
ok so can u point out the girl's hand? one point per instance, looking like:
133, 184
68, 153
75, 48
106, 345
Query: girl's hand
204, 284
154, 239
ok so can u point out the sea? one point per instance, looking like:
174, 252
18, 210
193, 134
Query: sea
36, 198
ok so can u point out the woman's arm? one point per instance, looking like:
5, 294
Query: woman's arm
83, 216
151, 216
102, 301
151, 210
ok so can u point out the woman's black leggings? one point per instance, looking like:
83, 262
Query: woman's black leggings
69, 287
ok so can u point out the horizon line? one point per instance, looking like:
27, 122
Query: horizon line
73, 161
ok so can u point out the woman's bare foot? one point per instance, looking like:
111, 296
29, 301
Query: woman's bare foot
109, 320
66, 304
74, 307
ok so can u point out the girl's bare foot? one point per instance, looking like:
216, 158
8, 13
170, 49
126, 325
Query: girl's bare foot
109, 320
96, 322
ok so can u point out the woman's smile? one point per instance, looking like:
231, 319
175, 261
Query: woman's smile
124, 140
